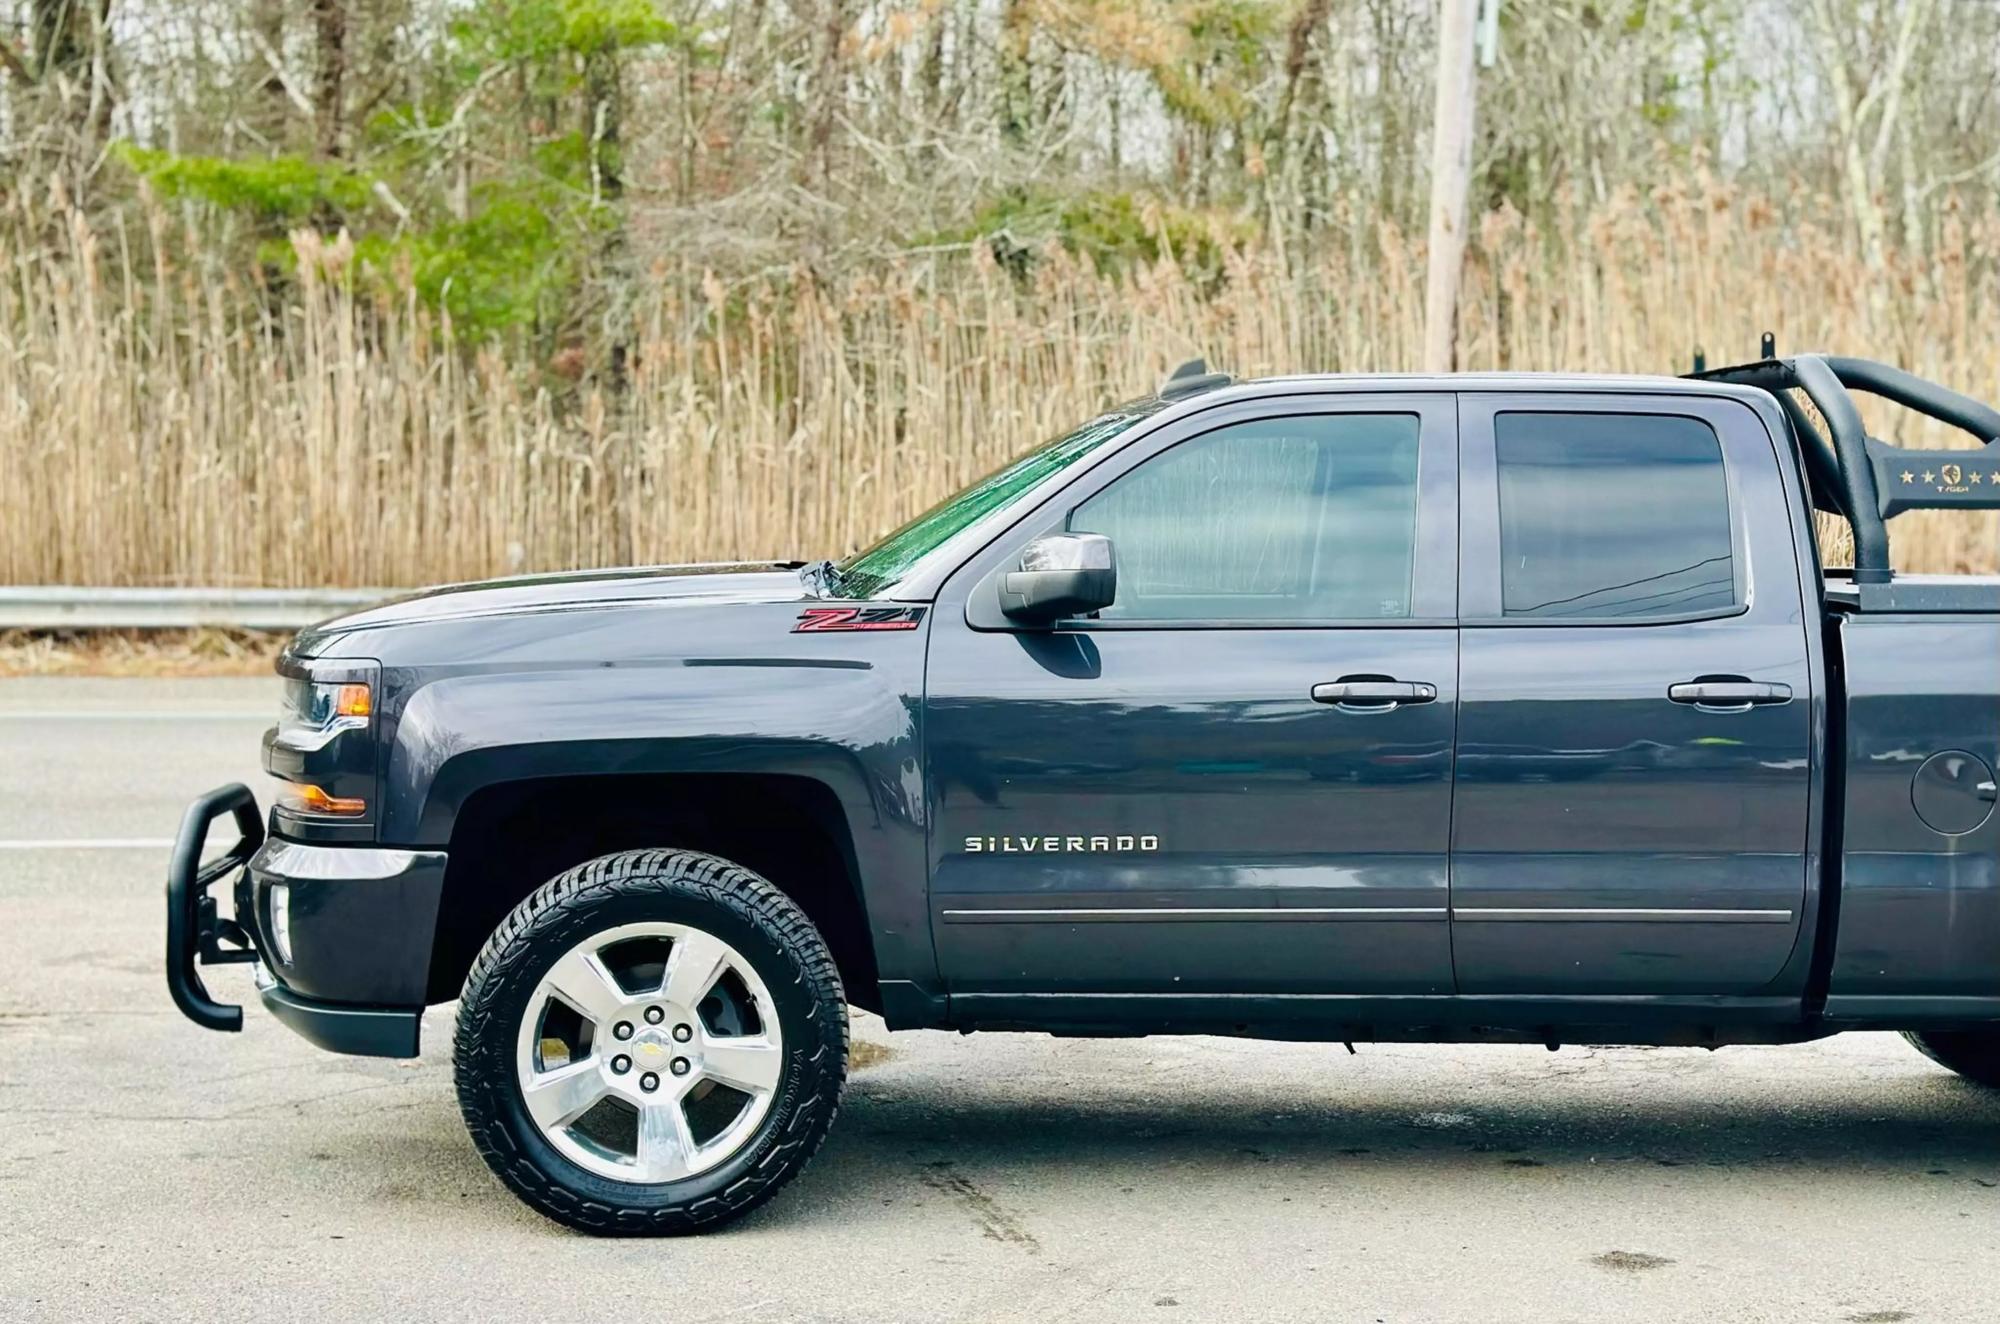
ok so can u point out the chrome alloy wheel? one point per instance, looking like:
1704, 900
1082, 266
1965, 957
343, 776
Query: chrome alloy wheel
650, 1053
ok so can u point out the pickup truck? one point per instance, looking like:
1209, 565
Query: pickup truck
1511, 708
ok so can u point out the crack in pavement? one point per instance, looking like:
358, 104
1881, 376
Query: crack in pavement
993, 1219
98, 1115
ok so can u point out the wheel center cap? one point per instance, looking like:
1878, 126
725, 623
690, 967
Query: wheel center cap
653, 1048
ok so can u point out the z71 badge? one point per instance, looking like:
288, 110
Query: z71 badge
821, 620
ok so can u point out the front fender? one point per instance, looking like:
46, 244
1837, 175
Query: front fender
842, 726
846, 724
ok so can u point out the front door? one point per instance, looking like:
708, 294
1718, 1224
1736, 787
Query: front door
1634, 765
1238, 778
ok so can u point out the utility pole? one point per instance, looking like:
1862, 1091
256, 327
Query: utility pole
1451, 177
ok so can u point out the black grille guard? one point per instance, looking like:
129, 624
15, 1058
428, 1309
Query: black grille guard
196, 934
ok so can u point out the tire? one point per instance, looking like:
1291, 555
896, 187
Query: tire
788, 980
1973, 1054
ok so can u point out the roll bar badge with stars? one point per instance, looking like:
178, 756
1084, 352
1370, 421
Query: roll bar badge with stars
1951, 478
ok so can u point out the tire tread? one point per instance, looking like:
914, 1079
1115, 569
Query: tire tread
1972, 1054
568, 898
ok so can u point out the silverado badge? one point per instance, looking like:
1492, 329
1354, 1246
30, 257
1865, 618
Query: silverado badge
1057, 845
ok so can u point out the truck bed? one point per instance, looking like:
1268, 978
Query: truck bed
1915, 886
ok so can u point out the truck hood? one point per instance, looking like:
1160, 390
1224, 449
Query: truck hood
574, 591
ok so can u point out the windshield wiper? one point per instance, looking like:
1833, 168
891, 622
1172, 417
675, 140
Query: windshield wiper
822, 577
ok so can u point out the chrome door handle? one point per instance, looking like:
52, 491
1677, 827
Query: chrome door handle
1373, 693
1729, 693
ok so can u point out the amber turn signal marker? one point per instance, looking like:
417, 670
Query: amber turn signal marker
314, 800
352, 701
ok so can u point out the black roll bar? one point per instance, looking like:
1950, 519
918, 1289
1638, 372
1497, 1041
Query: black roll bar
1857, 477
1866, 479
1913, 392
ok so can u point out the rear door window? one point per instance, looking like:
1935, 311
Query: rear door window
1619, 517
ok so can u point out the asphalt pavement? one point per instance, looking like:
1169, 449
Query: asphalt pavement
153, 1171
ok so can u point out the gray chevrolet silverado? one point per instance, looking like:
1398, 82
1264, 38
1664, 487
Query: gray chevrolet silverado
1511, 708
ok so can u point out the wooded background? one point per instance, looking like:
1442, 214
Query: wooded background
413, 290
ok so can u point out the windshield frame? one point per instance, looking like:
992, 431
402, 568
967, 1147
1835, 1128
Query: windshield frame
1029, 474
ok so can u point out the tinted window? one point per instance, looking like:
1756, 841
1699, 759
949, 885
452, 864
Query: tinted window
1309, 518
1612, 516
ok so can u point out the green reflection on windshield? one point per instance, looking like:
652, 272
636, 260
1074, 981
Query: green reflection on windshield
867, 573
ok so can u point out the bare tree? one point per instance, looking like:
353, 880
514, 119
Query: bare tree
1867, 95
330, 74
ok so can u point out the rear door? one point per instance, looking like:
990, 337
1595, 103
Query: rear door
1633, 774
1155, 801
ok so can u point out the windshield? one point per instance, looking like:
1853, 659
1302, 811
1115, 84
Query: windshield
867, 573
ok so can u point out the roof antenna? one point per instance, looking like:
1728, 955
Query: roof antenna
1767, 348
1700, 361
1192, 378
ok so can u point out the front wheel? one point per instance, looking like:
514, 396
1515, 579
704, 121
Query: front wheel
652, 1043
1974, 1054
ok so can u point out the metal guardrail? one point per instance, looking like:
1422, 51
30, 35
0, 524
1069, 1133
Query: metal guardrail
62, 607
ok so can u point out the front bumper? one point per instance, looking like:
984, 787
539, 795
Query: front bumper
361, 923
341, 1028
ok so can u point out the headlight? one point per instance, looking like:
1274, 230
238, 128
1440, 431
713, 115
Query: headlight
324, 743
314, 711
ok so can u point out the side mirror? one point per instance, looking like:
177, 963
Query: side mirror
1061, 575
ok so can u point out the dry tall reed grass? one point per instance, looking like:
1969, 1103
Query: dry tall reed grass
160, 424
